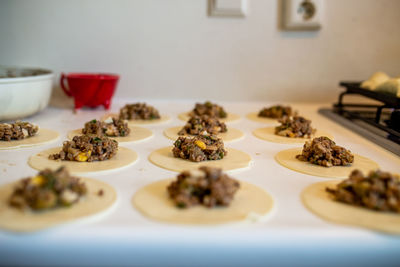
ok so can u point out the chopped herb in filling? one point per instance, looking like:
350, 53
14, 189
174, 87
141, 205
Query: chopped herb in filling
204, 123
275, 112
17, 131
296, 126
323, 151
199, 148
112, 128
206, 186
87, 148
47, 190
378, 191
210, 109
138, 111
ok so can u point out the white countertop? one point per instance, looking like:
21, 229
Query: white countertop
292, 235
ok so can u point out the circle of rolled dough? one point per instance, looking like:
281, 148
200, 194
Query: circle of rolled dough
16, 220
164, 158
250, 204
319, 202
43, 136
137, 134
162, 119
124, 158
231, 135
268, 134
287, 158
231, 117
253, 116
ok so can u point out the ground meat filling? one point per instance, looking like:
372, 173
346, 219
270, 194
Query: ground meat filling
199, 124
47, 190
206, 186
210, 109
112, 128
87, 148
275, 112
323, 151
138, 111
378, 191
17, 131
294, 127
199, 148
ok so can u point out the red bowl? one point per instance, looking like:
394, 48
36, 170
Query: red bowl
90, 89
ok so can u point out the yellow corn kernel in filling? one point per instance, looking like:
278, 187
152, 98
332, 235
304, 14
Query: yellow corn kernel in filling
38, 180
81, 157
200, 144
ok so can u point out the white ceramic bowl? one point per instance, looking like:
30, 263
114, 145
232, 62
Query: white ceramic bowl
23, 91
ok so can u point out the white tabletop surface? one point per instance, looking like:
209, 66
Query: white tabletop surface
123, 236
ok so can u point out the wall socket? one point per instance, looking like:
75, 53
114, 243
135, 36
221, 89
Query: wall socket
302, 14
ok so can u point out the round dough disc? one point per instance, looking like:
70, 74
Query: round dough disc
250, 203
13, 219
164, 158
268, 134
287, 158
43, 136
231, 135
253, 116
124, 158
162, 119
318, 201
137, 134
230, 117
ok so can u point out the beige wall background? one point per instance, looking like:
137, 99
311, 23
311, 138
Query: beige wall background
171, 49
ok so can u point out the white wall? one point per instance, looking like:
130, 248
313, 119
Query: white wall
172, 49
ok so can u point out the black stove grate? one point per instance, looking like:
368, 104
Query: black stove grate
374, 122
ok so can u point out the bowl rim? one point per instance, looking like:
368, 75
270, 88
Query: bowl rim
49, 74
91, 75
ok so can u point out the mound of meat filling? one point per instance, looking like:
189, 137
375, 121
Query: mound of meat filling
210, 109
378, 191
296, 126
138, 111
275, 112
87, 148
204, 123
323, 151
17, 131
47, 190
199, 148
112, 127
206, 186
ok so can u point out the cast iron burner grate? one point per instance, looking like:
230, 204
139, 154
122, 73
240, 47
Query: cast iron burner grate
380, 123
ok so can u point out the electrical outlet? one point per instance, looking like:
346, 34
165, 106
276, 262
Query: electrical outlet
302, 14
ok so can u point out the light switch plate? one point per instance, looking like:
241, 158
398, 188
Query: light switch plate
302, 14
227, 8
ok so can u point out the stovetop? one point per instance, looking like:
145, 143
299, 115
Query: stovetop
377, 122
